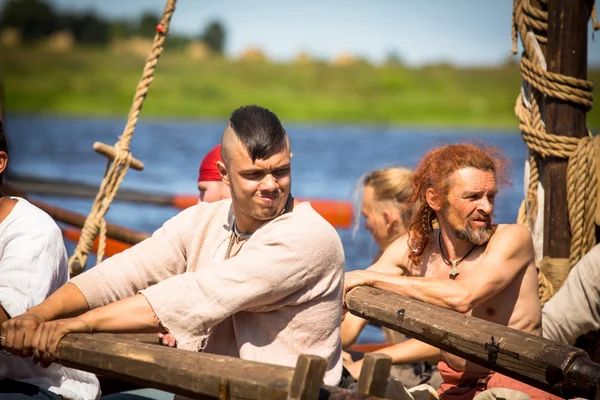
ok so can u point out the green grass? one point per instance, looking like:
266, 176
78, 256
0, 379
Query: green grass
96, 82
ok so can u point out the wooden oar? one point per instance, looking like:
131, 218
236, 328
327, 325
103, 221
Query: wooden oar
338, 213
369, 347
112, 246
75, 219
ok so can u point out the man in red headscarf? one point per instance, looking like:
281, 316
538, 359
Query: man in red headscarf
209, 179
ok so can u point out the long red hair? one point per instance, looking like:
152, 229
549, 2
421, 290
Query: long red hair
434, 172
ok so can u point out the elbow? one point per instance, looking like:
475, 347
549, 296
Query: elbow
462, 302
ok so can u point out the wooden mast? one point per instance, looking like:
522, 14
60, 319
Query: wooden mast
566, 53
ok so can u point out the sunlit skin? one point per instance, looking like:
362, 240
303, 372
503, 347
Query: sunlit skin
259, 188
211, 191
382, 218
383, 221
497, 281
467, 209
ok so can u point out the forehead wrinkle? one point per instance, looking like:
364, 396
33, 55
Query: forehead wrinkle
471, 179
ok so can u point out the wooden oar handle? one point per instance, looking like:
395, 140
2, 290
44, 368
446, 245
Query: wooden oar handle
110, 153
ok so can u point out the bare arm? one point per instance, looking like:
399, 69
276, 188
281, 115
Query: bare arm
351, 328
392, 261
67, 301
509, 252
407, 352
131, 315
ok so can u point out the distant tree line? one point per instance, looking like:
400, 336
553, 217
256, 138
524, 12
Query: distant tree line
36, 19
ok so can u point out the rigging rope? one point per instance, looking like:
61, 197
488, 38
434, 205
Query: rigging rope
531, 25
95, 223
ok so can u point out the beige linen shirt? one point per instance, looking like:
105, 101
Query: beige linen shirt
280, 296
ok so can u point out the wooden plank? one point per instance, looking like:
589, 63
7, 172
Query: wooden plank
308, 378
374, 374
177, 371
563, 370
186, 373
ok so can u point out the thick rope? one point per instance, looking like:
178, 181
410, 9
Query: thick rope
116, 169
545, 287
531, 24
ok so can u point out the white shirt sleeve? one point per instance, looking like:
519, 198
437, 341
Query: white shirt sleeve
33, 262
575, 309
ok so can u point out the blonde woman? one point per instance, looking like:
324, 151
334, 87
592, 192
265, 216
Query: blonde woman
384, 193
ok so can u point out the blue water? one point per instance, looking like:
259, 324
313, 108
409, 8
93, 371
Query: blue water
328, 162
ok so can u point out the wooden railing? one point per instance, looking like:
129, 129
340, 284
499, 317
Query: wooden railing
132, 359
562, 370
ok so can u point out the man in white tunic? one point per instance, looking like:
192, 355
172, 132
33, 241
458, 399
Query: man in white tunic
33, 264
257, 276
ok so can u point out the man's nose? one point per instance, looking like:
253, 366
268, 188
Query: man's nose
269, 183
485, 206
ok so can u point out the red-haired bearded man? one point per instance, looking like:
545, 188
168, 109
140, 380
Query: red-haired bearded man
468, 264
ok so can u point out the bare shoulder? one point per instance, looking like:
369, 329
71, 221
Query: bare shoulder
514, 233
394, 259
511, 240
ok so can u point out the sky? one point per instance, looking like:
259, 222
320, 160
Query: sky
460, 32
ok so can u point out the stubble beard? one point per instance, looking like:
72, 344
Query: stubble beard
252, 210
475, 236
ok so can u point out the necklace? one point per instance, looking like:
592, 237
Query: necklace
454, 264
237, 236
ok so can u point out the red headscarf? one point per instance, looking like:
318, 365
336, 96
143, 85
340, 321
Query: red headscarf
208, 167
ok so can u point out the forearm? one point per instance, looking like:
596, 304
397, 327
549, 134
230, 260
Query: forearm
351, 328
411, 351
445, 294
408, 352
67, 301
131, 315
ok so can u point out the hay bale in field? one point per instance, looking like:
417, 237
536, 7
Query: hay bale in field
135, 45
59, 41
197, 50
10, 37
253, 54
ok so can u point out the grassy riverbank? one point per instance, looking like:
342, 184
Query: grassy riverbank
94, 82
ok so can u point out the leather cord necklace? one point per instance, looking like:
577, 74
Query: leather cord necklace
237, 236
454, 264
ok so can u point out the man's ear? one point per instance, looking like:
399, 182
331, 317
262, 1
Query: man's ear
3, 161
434, 200
223, 172
388, 219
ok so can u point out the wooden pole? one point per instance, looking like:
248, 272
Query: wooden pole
567, 55
562, 370
338, 213
75, 219
195, 374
